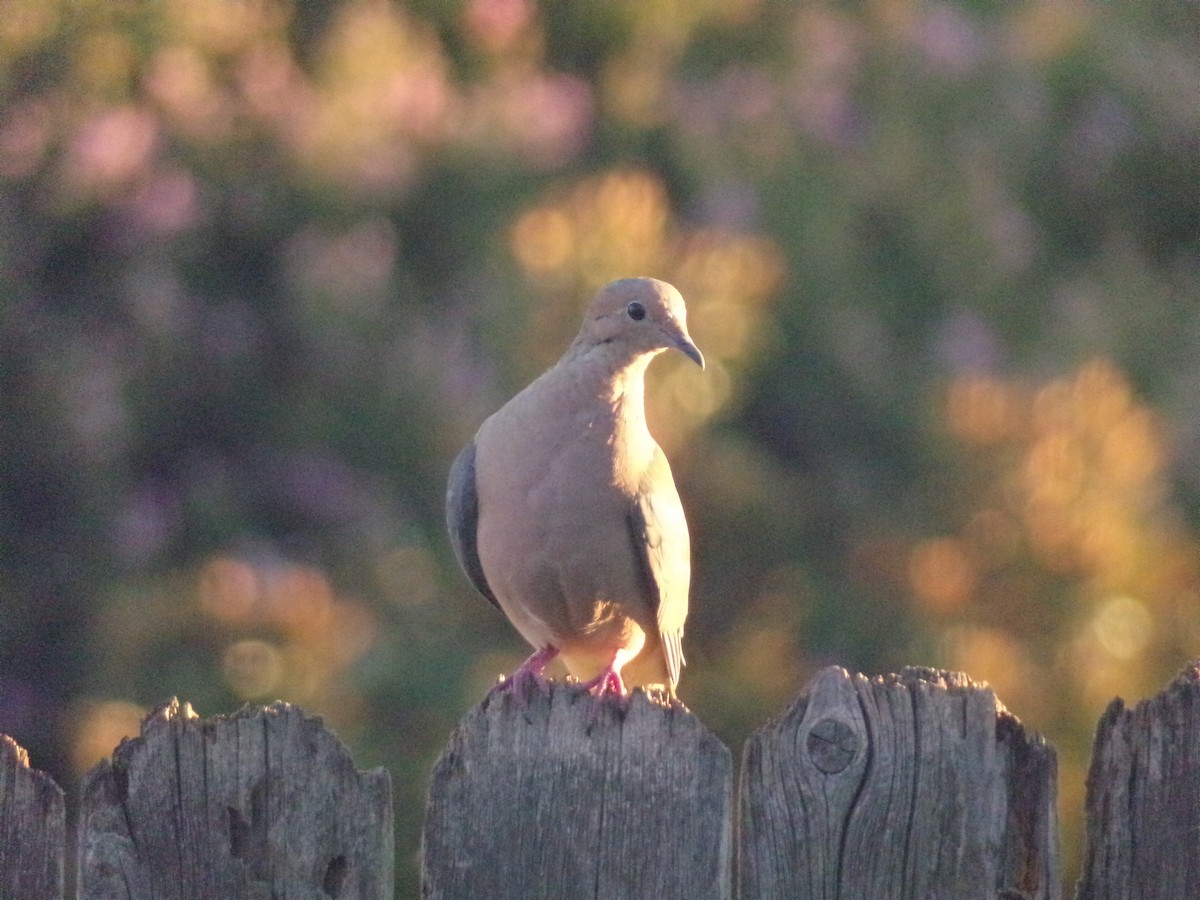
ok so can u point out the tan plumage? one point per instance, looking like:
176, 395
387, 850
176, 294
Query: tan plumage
563, 510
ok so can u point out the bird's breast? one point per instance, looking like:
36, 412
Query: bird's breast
553, 532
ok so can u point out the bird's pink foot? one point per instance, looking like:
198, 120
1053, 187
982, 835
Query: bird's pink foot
607, 682
607, 689
528, 676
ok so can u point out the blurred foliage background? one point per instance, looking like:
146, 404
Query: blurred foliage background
265, 265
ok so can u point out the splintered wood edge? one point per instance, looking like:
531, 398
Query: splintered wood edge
173, 713
1010, 730
1120, 735
1119, 715
33, 829
908, 677
572, 687
1028, 859
15, 752
16, 757
551, 722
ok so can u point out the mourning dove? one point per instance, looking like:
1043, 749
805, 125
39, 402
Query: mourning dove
563, 512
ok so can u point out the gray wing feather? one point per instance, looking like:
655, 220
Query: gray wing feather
656, 545
462, 520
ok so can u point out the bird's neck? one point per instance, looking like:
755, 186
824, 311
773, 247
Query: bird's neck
617, 380
627, 391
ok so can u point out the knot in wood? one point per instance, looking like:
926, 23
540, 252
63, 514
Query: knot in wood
832, 744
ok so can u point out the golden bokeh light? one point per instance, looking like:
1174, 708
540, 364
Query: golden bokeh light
355, 629
619, 224
252, 669
1099, 395
993, 535
297, 599
942, 574
180, 81
1123, 626
105, 61
26, 23
613, 223
100, 726
1071, 549
1131, 451
1050, 530
1055, 468
1082, 467
634, 90
290, 634
997, 657
764, 655
543, 241
227, 589
225, 27
699, 393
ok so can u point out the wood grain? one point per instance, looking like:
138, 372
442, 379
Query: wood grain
265, 803
916, 785
32, 828
1143, 798
551, 795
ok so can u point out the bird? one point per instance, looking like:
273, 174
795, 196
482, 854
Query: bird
563, 512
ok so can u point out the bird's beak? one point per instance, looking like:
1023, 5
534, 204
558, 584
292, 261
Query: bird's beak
684, 344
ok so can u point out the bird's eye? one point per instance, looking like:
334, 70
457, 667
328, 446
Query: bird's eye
636, 311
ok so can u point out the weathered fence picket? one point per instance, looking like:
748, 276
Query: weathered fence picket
32, 828
1143, 798
552, 795
265, 803
917, 784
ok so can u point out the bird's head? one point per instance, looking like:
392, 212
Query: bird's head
638, 316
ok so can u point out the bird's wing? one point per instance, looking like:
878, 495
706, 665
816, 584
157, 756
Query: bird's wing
462, 520
658, 532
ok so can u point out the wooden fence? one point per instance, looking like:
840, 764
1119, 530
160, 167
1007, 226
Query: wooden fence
914, 785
